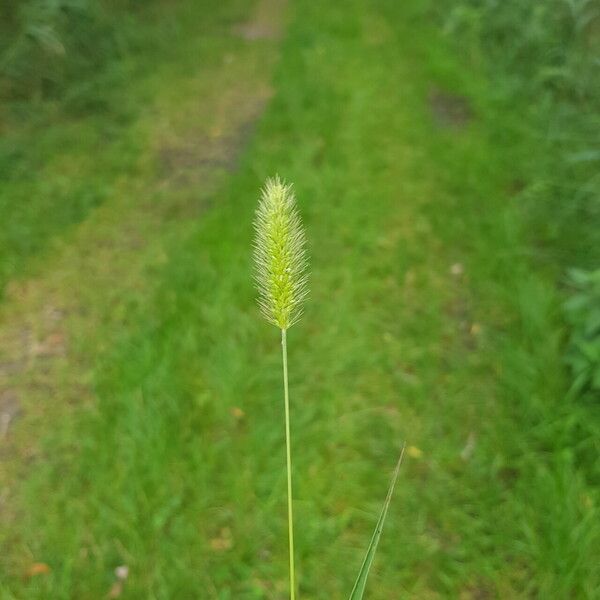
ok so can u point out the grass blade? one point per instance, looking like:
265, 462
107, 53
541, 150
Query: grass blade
361, 580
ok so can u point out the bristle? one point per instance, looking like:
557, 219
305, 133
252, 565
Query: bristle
280, 264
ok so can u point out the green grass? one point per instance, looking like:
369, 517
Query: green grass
65, 155
541, 60
173, 462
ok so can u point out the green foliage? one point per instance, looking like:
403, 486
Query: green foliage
550, 45
542, 58
582, 312
57, 42
360, 585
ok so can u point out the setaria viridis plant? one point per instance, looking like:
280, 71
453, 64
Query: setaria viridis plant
280, 272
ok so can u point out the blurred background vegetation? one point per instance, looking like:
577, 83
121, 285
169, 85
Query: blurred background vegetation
542, 59
446, 160
48, 46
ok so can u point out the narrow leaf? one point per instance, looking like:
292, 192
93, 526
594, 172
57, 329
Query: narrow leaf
361, 581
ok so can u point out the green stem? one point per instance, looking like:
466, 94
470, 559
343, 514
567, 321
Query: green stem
289, 464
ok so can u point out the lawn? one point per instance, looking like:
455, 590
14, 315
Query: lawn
148, 431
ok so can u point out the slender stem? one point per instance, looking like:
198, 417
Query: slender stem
289, 464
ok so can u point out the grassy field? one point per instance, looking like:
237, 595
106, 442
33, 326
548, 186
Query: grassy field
144, 390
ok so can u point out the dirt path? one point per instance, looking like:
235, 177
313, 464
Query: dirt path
104, 268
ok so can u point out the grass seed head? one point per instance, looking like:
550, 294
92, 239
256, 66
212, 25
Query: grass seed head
280, 264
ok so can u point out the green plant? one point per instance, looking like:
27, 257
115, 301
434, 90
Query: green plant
361, 581
542, 58
58, 45
280, 263
281, 277
582, 311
